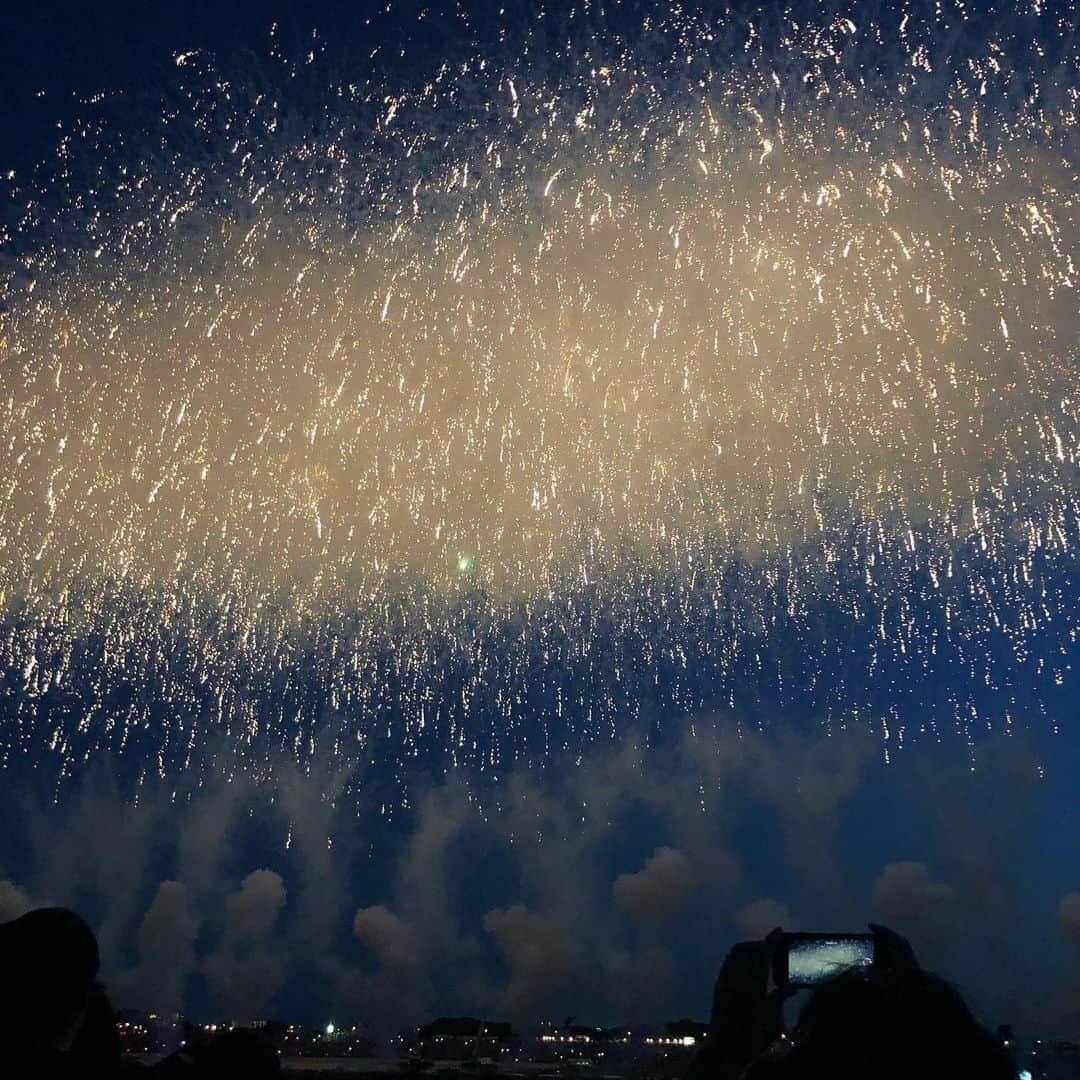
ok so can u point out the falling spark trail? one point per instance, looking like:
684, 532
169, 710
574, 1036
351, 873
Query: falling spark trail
516, 410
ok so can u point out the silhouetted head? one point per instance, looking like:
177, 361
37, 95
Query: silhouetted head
893, 1025
48, 964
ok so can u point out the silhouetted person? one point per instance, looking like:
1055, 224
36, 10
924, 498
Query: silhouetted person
48, 964
98, 1038
892, 1025
892, 1021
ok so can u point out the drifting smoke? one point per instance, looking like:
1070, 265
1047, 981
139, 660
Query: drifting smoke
907, 898
248, 970
539, 955
252, 911
906, 890
657, 889
166, 947
761, 917
726, 363
13, 901
400, 990
1069, 917
336, 933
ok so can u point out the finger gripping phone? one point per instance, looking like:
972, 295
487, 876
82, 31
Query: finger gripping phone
806, 960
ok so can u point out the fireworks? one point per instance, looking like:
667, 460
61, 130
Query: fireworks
726, 367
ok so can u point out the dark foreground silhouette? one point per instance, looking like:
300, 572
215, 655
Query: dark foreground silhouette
891, 1021
888, 1021
56, 1020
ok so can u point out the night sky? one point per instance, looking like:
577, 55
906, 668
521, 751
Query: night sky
497, 506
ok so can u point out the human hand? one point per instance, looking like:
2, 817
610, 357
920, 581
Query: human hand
747, 1016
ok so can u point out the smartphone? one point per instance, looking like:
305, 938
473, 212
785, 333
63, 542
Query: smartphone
811, 959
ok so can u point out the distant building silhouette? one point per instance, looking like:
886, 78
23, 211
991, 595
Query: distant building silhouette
464, 1038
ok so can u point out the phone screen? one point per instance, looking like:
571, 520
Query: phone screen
814, 960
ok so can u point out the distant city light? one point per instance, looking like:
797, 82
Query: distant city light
330, 1029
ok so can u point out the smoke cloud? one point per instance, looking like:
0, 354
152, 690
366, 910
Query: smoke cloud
13, 901
166, 948
907, 898
539, 955
399, 991
249, 967
1068, 914
377, 919
760, 917
655, 891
